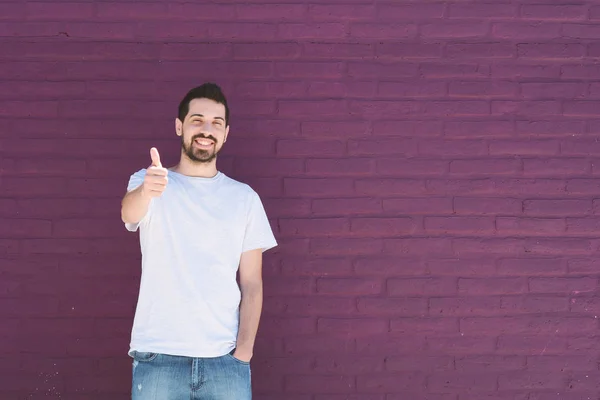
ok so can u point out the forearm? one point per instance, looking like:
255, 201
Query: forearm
134, 206
250, 311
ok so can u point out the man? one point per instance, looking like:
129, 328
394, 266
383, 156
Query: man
193, 332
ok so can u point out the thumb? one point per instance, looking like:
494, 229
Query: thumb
155, 157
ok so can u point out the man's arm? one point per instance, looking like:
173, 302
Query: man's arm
136, 202
251, 305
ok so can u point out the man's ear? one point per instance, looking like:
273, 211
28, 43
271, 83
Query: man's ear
226, 134
178, 127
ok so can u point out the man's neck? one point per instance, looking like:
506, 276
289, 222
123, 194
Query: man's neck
190, 168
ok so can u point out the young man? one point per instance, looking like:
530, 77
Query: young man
193, 332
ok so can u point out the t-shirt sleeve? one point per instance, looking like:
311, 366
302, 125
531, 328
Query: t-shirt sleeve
259, 234
136, 180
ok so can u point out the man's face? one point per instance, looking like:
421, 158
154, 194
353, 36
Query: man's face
203, 131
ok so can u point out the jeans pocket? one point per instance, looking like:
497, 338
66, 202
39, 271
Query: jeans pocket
144, 356
237, 360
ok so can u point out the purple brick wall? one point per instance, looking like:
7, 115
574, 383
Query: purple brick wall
429, 168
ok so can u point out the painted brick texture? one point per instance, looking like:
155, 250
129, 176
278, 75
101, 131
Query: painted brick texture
430, 169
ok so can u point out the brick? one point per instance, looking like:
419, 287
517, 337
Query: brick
35, 109
459, 186
323, 384
528, 147
480, 363
349, 206
418, 205
417, 246
553, 12
549, 51
268, 12
580, 71
472, 51
30, 186
17, 90
349, 286
338, 12
520, 30
512, 246
354, 246
580, 31
456, 108
418, 363
530, 186
383, 30
267, 166
582, 266
563, 90
530, 226
579, 107
389, 187
487, 129
449, 148
584, 305
562, 285
527, 344
388, 266
534, 304
533, 380
261, 51
450, 225
342, 89
316, 187
425, 326
278, 286
454, 70
321, 306
408, 50
560, 246
24, 228
309, 70
486, 167
335, 129
403, 306
456, 381
540, 127
527, 325
482, 89
525, 108
454, 29
411, 89
382, 227
334, 51
390, 344
352, 326
340, 166
365, 70
309, 148
556, 167
411, 167
276, 326
348, 364
317, 345
461, 267
383, 146
580, 147
325, 30
126, 11
481, 286
487, 205
557, 207
582, 225
465, 306
384, 383
298, 108
481, 11
49, 11
383, 108
514, 70
421, 286
411, 12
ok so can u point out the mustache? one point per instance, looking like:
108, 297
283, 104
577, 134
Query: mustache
202, 136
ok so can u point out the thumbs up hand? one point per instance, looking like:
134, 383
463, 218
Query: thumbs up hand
155, 181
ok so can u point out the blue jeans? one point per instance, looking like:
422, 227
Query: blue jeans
165, 377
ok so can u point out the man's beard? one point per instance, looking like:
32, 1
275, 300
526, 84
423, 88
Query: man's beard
200, 155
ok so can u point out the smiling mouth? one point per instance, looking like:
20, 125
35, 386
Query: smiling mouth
204, 142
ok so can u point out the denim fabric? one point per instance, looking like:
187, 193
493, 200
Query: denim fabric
165, 377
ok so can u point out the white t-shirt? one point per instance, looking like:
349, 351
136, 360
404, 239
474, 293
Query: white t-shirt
192, 238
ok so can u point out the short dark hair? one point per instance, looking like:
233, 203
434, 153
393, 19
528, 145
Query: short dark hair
207, 90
